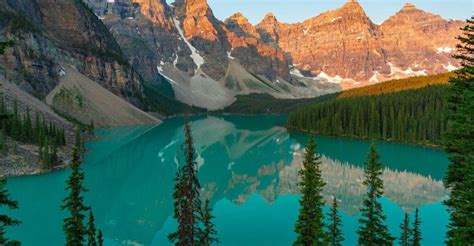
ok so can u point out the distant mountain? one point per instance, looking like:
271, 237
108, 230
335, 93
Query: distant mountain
151, 53
208, 62
345, 46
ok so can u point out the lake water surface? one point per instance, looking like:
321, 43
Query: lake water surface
248, 169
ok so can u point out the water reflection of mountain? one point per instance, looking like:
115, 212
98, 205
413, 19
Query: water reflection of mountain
136, 178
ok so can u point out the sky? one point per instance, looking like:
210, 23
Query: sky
298, 10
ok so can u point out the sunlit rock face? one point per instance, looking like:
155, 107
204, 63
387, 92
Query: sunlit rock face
345, 44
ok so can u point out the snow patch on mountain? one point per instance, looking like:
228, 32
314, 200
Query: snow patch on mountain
450, 67
409, 72
198, 59
444, 50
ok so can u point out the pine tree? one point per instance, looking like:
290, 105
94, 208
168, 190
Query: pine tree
460, 144
187, 204
91, 231
209, 234
406, 233
416, 231
310, 226
335, 235
372, 230
74, 203
100, 239
5, 220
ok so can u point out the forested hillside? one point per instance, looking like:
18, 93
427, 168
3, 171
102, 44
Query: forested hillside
398, 85
415, 116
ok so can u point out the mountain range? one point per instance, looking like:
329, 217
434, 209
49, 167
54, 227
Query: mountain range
154, 55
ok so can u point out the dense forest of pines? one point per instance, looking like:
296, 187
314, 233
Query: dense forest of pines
37, 131
415, 116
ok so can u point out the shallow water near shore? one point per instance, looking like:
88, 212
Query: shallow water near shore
247, 168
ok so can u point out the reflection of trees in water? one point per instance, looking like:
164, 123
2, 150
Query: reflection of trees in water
408, 190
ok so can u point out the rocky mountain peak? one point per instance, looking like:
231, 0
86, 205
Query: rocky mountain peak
408, 7
240, 25
156, 11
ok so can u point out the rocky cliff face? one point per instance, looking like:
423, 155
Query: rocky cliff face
345, 46
48, 34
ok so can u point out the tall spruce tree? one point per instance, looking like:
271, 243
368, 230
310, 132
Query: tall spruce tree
460, 144
416, 231
372, 230
73, 226
406, 231
309, 227
91, 231
187, 203
209, 233
5, 220
100, 239
335, 235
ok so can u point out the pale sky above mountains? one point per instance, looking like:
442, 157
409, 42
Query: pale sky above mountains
299, 10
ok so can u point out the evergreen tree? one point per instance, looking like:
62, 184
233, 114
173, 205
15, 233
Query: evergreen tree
372, 230
416, 232
100, 239
91, 231
309, 227
460, 145
335, 235
187, 204
74, 203
5, 220
209, 234
406, 233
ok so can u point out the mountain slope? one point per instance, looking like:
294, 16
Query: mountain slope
79, 97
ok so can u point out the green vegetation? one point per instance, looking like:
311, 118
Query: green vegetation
209, 233
267, 104
406, 232
372, 229
309, 227
4, 45
335, 235
416, 232
393, 86
74, 228
24, 129
188, 210
5, 220
460, 145
414, 116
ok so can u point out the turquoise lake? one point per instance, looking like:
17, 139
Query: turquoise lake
248, 169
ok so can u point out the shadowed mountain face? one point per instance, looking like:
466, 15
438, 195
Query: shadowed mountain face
130, 174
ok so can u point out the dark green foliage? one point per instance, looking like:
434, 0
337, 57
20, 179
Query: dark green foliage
416, 232
460, 145
73, 226
266, 104
406, 231
17, 23
4, 45
48, 137
100, 239
187, 203
5, 220
415, 116
209, 233
372, 229
335, 235
91, 231
309, 227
